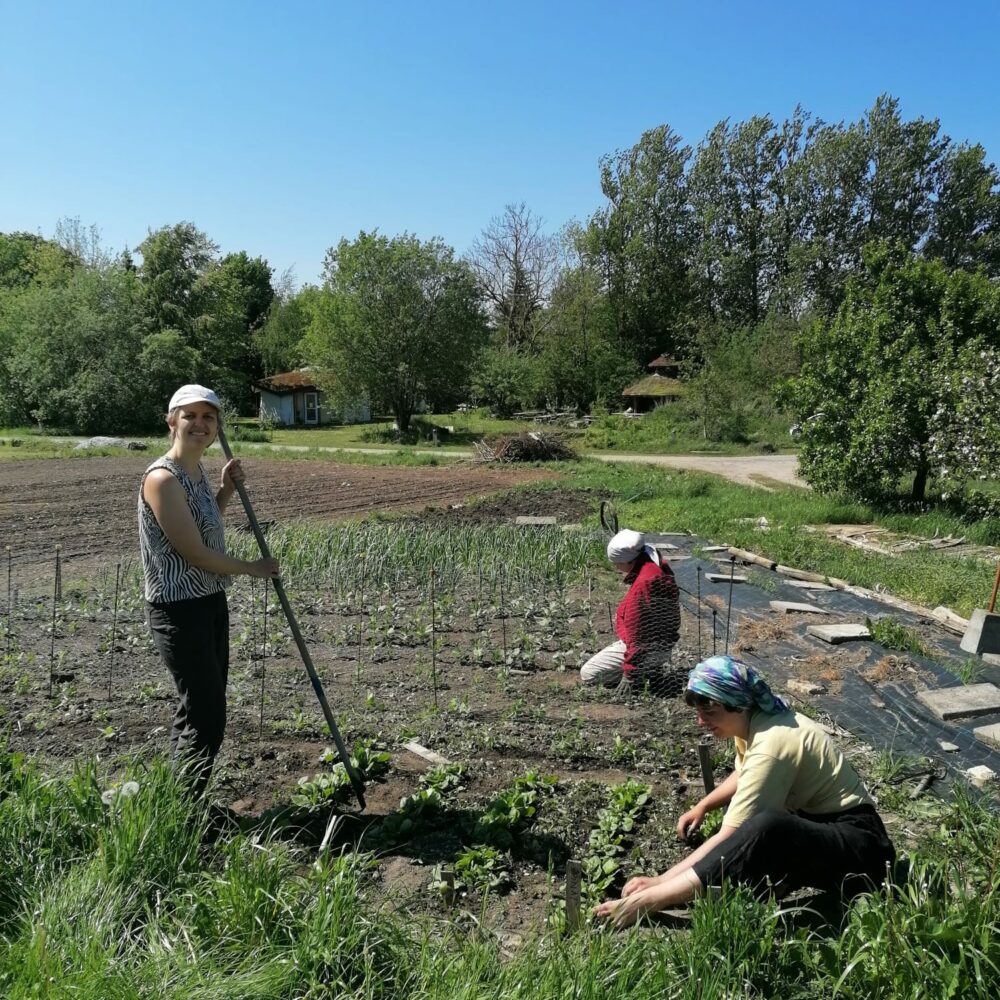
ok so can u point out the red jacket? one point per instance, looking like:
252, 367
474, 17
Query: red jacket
649, 617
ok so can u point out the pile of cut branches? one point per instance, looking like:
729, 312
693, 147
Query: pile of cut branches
531, 446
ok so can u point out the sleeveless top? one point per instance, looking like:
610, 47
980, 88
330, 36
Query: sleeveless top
167, 575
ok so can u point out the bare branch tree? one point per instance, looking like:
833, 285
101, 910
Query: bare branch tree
516, 264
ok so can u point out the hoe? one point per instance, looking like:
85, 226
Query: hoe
345, 757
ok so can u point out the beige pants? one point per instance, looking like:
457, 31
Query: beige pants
604, 667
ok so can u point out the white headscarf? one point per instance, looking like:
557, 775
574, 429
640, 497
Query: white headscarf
628, 545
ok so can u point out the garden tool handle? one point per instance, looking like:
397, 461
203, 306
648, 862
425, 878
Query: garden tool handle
996, 587
279, 589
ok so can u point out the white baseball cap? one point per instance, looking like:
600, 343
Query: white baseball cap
193, 394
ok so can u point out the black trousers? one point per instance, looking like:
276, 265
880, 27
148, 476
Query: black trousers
784, 851
192, 638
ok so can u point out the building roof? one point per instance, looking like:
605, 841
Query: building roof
298, 381
655, 386
663, 361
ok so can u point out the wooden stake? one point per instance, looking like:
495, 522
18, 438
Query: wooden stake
434, 673
705, 759
574, 872
114, 628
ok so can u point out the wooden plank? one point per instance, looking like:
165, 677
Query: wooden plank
949, 620
807, 585
429, 755
800, 574
524, 519
752, 557
725, 578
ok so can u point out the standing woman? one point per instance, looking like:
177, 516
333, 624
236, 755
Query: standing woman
185, 573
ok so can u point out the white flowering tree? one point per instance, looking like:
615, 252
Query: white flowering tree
965, 427
901, 385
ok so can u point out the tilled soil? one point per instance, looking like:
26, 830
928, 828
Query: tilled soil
88, 506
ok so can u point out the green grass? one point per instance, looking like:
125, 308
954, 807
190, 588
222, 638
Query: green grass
108, 902
652, 499
41, 447
669, 430
467, 428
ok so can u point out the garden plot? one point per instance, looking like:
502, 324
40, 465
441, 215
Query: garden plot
464, 636
87, 505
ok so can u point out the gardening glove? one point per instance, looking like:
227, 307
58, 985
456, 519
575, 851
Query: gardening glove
624, 691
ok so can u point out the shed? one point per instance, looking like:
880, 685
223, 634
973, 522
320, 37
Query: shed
661, 387
291, 399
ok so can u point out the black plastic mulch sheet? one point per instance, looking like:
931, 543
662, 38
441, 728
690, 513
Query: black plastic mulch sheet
869, 691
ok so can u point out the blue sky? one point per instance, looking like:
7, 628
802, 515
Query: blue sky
278, 128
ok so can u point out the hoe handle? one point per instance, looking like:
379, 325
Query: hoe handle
279, 589
996, 587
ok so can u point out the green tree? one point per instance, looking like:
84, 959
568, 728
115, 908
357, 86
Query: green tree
400, 320
27, 259
235, 296
581, 359
871, 378
505, 380
639, 243
965, 226
68, 353
174, 259
279, 341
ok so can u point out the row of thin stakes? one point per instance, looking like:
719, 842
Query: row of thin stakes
259, 641
57, 598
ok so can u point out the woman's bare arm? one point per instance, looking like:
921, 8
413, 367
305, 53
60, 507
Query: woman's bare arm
167, 500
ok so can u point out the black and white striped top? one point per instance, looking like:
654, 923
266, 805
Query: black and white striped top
167, 575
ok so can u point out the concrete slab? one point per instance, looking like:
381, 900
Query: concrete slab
664, 547
789, 607
993, 659
534, 520
948, 747
983, 633
835, 634
725, 578
807, 585
962, 701
988, 734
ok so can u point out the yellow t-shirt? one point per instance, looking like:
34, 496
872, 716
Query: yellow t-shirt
788, 762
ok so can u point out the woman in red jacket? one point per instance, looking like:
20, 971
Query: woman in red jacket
647, 623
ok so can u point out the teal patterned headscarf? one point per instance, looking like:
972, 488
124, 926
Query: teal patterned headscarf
733, 683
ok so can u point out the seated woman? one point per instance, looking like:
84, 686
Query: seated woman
647, 623
796, 815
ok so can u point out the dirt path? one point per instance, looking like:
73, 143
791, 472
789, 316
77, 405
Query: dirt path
748, 470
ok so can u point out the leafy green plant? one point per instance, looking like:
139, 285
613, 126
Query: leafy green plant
891, 633
606, 843
512, 809
445, 779
323, 790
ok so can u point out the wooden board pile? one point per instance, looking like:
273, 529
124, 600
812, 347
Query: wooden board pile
532, 446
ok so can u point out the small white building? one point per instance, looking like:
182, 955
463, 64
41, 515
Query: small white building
292, 399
